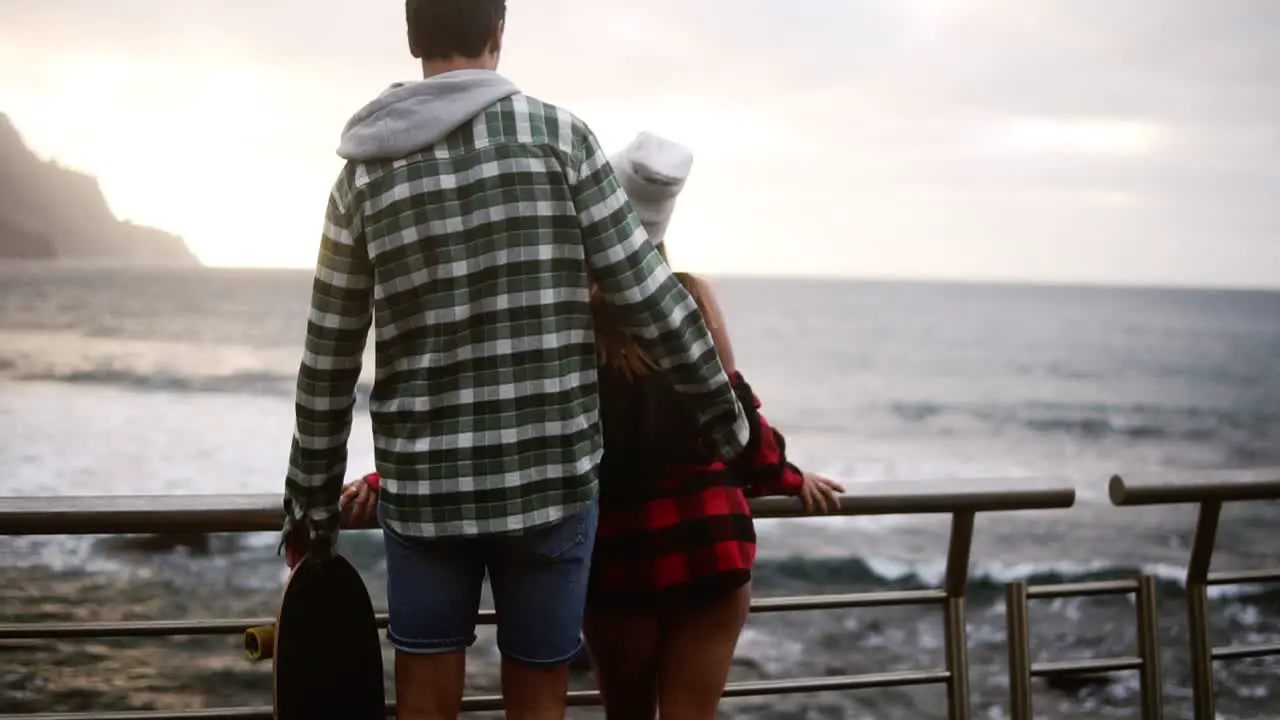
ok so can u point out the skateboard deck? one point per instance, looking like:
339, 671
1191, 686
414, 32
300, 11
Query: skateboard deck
325, 649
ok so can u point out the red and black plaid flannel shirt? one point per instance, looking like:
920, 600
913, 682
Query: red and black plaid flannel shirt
693, 537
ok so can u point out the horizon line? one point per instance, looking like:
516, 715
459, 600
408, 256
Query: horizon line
1080, 283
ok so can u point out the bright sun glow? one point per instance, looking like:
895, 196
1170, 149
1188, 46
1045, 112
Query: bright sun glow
228, 161
241, 170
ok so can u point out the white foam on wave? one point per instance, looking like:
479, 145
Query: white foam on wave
64, 554
933, 572
91, 440
109, 360
945, 461
78, 440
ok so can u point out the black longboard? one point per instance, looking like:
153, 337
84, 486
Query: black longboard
325, 648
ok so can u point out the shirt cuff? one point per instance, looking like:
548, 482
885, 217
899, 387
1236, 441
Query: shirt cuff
731, 439
321, 523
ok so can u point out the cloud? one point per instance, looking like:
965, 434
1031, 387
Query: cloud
1086, 139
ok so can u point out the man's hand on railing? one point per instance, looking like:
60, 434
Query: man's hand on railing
359, 501
820, 493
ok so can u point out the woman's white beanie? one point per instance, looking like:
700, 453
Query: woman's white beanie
652, 171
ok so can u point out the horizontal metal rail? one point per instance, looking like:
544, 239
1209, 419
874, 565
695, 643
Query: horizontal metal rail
1209, 493
1082, 589
1243, 577
479, 703
1246, 652
236, 626
1022, 669
195, 514
170, 514
1090, 666
1230, 486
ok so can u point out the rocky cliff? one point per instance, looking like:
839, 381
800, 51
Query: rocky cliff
50, 212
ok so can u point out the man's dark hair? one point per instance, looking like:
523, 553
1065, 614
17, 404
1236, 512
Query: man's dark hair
442, 29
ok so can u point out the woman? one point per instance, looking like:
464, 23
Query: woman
670, 580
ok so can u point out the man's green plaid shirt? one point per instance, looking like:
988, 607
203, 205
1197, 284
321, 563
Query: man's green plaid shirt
471, 261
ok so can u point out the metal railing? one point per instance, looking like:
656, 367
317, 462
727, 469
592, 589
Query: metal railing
1146, 662
1209, 494
250, 513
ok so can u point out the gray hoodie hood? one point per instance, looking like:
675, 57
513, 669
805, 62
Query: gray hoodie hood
411, 116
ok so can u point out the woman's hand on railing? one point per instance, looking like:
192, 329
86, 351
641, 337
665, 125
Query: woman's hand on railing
820, 493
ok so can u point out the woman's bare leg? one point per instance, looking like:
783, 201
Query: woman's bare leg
624, 649
697, 652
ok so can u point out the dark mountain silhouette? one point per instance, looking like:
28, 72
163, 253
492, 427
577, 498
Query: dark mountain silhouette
51, 212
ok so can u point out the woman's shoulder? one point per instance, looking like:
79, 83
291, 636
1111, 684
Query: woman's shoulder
703, 294
712, 315
698, 286
691, 280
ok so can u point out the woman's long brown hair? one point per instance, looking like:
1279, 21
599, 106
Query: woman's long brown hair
614, 345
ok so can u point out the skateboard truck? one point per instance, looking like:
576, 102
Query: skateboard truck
260, 642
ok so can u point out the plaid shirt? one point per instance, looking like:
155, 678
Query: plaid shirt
471, 259
690, 537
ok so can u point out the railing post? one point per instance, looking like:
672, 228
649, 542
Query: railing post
1019, 639
1202, 690
1151, 677
953, 620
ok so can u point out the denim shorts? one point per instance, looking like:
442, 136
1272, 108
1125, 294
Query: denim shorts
538, 578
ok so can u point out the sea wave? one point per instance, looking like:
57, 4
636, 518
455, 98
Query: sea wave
1245, 428
1093, 420
254, 382
985, 579
253, 562
246, 382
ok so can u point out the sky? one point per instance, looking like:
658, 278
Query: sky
1100, 141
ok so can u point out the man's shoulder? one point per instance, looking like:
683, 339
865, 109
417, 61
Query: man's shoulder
536, 105
519, 121
535, 122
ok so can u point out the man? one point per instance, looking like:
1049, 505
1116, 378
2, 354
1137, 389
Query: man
467, 226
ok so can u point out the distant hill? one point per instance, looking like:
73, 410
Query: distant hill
50, 212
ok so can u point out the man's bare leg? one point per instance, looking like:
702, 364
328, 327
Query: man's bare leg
429, 687
539, 582
534, 693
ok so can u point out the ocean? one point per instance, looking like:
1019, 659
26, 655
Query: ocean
140, 380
